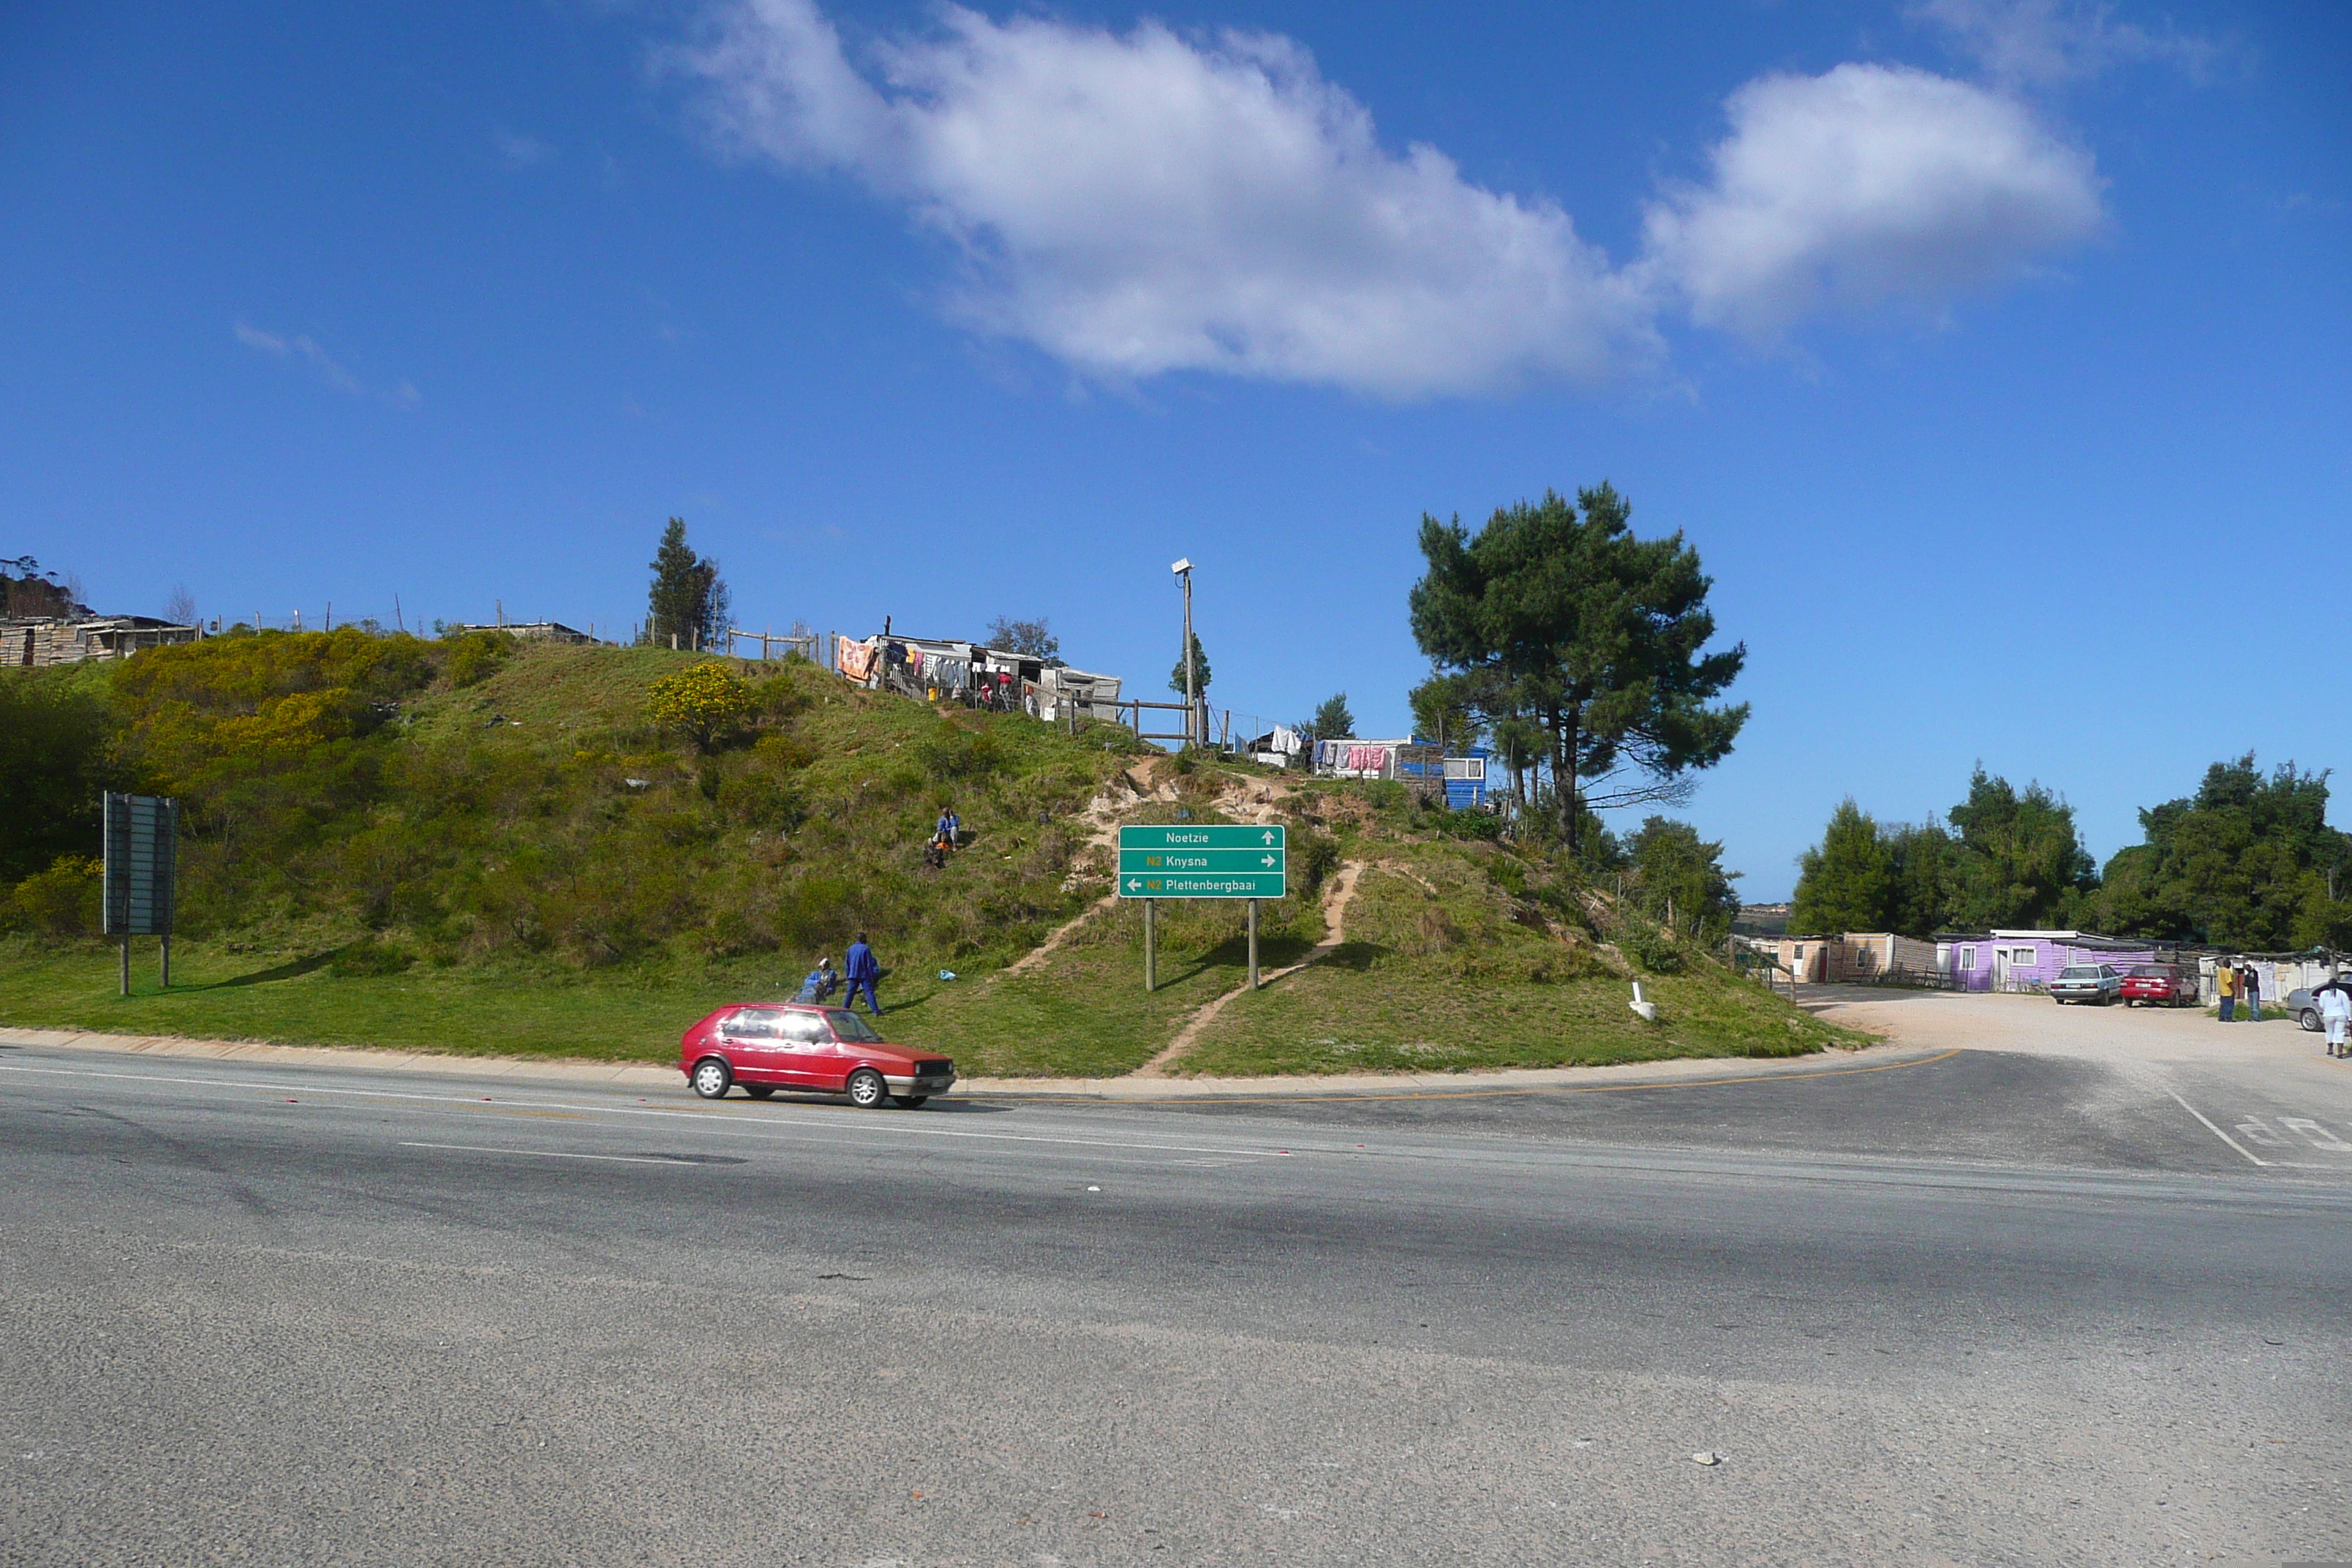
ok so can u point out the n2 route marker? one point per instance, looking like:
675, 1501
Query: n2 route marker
1200, 861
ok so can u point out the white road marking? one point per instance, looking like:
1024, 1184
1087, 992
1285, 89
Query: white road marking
2316, 1135
547, 1153
2217, 1132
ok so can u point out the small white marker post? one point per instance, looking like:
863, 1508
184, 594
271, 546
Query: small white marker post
1644, 1009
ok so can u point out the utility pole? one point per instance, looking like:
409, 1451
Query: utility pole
1183, 570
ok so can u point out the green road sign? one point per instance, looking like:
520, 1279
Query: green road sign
1201, 836
1210, 887
1156, 862
1221, 861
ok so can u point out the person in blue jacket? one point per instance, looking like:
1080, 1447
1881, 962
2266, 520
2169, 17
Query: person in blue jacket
863, 971
820, 984
950, 828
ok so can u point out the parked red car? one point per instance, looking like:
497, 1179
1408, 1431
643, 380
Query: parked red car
2163, 985
768, 1045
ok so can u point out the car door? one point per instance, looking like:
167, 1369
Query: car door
807, 1055
752, 1048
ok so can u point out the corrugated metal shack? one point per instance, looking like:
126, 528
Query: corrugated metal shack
38, 641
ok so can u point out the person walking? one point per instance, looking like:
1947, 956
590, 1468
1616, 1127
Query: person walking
951, 827
2333, 1000
2225, 983
863, 971
2249, 987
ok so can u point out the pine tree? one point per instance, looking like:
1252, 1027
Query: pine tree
1200, 672
688, 600
1847, 881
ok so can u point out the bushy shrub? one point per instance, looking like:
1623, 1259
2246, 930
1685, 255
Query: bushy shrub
1482, 824
477, 655
707, 703
63, 901
1650, 948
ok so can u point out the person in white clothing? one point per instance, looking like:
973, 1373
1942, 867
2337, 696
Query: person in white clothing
2334, 1001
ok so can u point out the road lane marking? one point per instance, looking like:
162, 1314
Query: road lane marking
2316, 1135
2217, 1132
549, 1154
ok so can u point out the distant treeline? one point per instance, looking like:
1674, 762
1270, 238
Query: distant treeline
2247, 861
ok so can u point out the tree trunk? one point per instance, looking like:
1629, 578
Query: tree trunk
1563, 774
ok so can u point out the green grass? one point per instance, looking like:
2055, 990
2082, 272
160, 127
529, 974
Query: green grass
1436, 976
569, 881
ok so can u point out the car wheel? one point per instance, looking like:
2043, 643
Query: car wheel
759, 1090
866, 1090
914, 1101
2309, 1019
713, 1078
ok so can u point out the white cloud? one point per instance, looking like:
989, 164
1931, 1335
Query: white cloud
1139, 203
2043, 42
1136, 204
1863, 185
519, 152
308, 351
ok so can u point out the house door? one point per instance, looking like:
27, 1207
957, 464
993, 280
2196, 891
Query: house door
2000, 969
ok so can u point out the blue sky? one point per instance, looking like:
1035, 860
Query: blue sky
1995, 357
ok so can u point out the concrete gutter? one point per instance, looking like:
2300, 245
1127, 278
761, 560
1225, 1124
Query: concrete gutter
647, 1075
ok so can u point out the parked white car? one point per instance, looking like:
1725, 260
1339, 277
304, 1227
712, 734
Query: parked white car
2100, 983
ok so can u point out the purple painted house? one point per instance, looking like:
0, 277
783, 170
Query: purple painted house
2028, 960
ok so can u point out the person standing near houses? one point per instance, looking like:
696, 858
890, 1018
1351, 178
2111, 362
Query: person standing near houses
2249, 987
2334, 1001
2225, 982
863, 971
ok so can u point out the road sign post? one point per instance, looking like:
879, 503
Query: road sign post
142, 841
1201, 860
1253, 944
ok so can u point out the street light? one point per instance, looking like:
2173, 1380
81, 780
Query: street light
1183, 570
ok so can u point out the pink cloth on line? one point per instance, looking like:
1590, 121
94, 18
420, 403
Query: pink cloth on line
1364, 759
855, 658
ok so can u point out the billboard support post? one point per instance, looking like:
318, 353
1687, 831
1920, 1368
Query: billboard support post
1151, 952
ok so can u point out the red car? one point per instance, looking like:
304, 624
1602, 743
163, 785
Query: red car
2164, 985
768, 1045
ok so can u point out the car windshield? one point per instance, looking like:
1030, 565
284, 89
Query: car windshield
2079, 971
848, 1026
2147, 971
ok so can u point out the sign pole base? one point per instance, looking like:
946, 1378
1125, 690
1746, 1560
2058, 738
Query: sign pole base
1253, 918
1150, 951
126, 964
167, 961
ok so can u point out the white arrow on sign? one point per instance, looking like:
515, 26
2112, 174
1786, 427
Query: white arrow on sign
1269, 860
1269, 835
1133, 883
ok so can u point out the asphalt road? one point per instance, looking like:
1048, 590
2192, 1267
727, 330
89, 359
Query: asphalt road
1972, 1309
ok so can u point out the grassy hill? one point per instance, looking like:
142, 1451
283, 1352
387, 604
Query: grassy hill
463, 845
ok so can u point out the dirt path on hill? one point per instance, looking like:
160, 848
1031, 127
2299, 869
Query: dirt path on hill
1151, 779
1335, 920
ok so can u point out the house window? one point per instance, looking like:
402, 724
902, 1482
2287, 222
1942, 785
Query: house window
2021, 957
1801, 952
1968, 958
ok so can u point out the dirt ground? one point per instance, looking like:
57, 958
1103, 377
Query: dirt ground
2039, 1027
